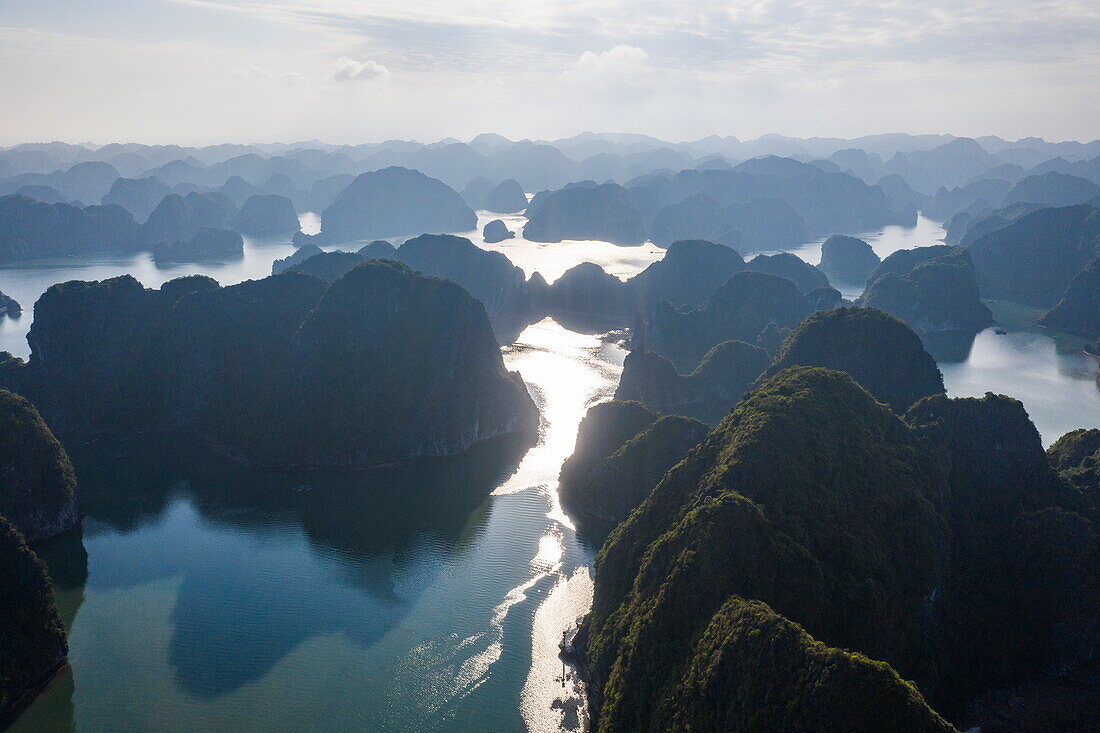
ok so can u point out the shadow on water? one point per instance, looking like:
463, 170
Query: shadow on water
948, 348
267, 559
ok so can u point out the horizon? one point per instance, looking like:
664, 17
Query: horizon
607, 135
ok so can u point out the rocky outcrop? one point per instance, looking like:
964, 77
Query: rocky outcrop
707, 394
604, 429
751, 664
688, 274
37, 484
847, 259
757, 224
379, 249
30, 229
615, 484
207, 244
266, 215
139, 196
300, 255
880, 352
383, 365
179, 218
1034, 259
805, 276
1076, 456
1052, 189
391, 202
496, 231
9, 306
587, 290
488, 276
329, 266
507, 197
474, 192
1078, 312
938, 544
738, 311
933, 289
585, 212
33, 644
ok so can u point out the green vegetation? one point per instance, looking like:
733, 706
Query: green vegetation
753, 670
943, 544
933, 289
1076, 456
32, 637
706, 394
738, 311
878, 350
36, 477
618, 483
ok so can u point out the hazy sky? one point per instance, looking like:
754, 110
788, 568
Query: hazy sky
201, 71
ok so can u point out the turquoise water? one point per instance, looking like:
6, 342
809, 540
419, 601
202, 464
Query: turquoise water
205, 596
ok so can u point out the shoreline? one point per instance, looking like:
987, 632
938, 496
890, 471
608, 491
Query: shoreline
26, 698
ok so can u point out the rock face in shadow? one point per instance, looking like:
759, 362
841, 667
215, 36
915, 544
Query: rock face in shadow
300, 255
805, 276
587, 290
329, 266
688, 274
757, 224
266, 215
601, 212
139, 196
207, 244
179, 218
966, 228
1078, 312
738, 311
607, 487
1034, 259
30, 229
488, 276
603, 431
391, 202
33, 642
383, 365
37, 484
847, 259
496, 231
1052, 189
938, 543
706, 394
933, 289
474, 192
507, 197
9, 306
879, 351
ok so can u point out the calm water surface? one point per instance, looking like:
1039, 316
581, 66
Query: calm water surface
206, 596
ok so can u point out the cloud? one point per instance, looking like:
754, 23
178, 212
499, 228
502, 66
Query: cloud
618, 60
258, 74
348, 69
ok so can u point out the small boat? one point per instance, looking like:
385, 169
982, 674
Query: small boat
302, 487
1000, 331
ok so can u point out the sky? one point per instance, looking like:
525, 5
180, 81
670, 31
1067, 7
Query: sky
349, 71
